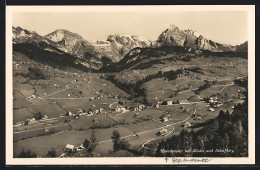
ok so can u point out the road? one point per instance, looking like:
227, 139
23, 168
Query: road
47, 127
225, 85
147, 131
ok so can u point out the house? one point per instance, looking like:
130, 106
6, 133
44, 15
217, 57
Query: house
169, 102
101, 110
162, 132
91, 98
157, 105
80, 111
165, 119
70, 147
211, 100
186, 124
183, 102
136, 109
216, 104
117, 109
211, 109
123, 109
45, 117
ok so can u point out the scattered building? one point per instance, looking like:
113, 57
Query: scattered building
162, 132
70, 147
120, 109
157, 105
169, 102
70, 113
186, 124
183, 102
211, 109
165, 119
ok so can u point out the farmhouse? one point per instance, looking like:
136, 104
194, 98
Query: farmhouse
120, 109
186, 124
136, 109
183, 102
70, 147
162, 132
165, 119
157, 105
80, 111
216, 104
169, 102
211, 109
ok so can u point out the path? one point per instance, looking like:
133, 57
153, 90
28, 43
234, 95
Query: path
110, 140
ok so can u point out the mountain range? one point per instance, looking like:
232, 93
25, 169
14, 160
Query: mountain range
92, 54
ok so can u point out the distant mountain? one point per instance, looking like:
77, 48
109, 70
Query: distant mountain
70, 42
242, 47
117, 46
173, 36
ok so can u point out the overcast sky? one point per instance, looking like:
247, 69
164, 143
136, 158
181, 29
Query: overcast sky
228, 27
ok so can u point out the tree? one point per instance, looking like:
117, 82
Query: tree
86, 143
28, 154
51, 153
93, 142
38, 116
115, 138
124, 144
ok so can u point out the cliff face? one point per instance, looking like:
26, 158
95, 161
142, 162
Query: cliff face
71, 43
173, 36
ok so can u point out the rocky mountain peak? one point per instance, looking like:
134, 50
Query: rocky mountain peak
173, 36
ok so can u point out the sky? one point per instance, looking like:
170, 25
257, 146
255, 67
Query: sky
227, 27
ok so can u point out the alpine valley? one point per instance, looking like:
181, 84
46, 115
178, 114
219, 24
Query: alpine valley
127, 96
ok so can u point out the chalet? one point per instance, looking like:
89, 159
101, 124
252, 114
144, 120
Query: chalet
136, 109
186, 124
80, 111
162, 132
45, 117
117, 109
183, 102
157, 105
70, 147
211, 100
169, 102
211, 109
165, 119
216, 104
